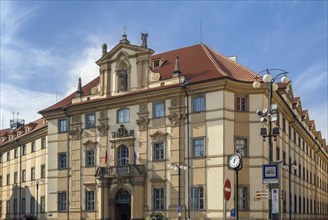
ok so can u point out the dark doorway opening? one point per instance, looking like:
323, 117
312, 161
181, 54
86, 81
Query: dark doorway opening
122, 205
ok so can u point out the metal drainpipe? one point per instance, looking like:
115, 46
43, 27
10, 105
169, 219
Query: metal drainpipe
68, 159
188, 150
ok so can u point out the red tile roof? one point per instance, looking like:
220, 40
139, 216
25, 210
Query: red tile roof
39, 123
197, 62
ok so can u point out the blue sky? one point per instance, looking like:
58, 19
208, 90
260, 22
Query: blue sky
47, 45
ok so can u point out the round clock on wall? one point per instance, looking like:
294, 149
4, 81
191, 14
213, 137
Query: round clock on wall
234, 161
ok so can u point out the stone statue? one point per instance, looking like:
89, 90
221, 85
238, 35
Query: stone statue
104, 48
123, 75
144, 40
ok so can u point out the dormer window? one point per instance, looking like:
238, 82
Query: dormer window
158, 63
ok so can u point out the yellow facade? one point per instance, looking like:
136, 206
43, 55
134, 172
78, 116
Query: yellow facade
151, 125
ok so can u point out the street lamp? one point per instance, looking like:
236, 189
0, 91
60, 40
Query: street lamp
289, 167
270, 114
178, 167
37, 182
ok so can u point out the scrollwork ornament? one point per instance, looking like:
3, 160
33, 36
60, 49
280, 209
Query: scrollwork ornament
142, 123
76, 133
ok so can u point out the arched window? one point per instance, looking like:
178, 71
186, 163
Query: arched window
123, 115
123, 156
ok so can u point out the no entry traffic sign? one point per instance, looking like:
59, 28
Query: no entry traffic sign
227, 189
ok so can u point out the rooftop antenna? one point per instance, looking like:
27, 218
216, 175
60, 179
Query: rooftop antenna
201, 32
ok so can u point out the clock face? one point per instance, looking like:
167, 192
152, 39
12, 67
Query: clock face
234, 161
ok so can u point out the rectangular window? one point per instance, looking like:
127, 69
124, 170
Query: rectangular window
43, 204
243, 198
241, 103
8, 155
197, 198
16, 153
23, 175
90, 158
32, 206
198, 147
62, 125
33, 146
1, 160
8, 179
284, 157
159, 109
62, 201
43, 143
8, 206
24, 149
15, 177
159, 151
62, 161
90, 198
90, 120
241, 146
33, 173
0, 180
159, 199
284, 125
277, 153
43, 171
0, 207
23, 205
123, 115
199, 104
15, 206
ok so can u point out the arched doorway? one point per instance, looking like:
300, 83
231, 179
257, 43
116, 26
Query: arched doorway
122, 205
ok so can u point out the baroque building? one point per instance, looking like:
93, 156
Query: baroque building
153, 133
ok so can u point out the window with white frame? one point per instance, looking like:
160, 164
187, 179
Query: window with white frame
122, 156
62, 201
32, 173
24, 149
89, 157
62, 125
43, 143
8, 155
90, 120
23, 205
241, 146
1, 159
16, 153
123, 115
159, 199
198, 147
8, 206
32, 205
198, 104
43, 171
23, 175
33, 146
8, 179
241, 103
15, 206
43, 204
243, 198
90, 200
62, 164
15, 177
0, 180
197, 198
159, 151
159, 109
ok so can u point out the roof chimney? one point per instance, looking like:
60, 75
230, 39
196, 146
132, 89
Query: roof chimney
176, 71
79, 91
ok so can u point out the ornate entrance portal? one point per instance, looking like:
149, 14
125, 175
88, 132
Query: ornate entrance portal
122, 205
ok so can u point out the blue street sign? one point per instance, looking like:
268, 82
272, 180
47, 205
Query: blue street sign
232, 213
270, 173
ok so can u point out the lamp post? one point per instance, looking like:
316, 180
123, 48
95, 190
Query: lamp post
37, 183
270, 114
179, 167
289, 167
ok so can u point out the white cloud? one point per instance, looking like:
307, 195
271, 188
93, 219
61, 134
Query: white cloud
26, 102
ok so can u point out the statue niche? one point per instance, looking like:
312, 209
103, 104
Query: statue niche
123, 80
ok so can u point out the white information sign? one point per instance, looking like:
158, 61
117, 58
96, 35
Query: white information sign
275, 201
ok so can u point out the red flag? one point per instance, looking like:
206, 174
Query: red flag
106, 158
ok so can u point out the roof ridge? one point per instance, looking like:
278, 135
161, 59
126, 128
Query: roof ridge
170, 51
205, 48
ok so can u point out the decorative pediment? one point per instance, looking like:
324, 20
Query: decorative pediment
158, 136
90, 144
